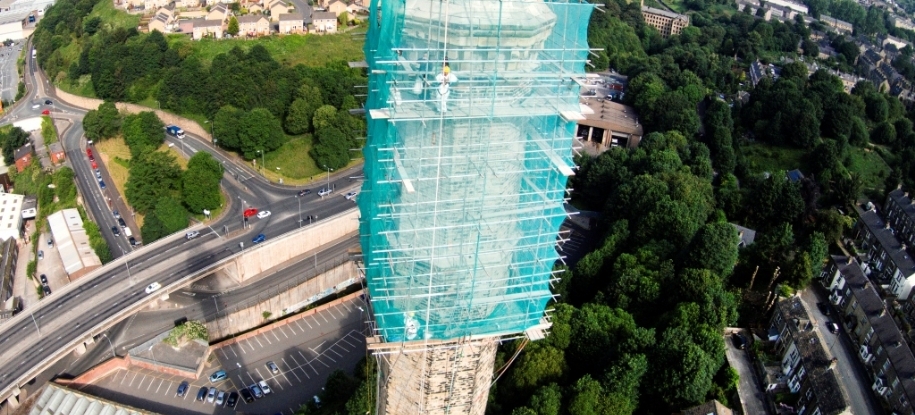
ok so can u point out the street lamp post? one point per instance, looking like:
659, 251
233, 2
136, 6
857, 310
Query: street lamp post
328, 177
127, 263
299, 198
113, 354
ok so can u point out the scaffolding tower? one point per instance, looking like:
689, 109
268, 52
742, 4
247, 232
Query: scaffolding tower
472, 109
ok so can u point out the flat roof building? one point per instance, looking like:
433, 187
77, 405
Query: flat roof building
10, 215
76, 253
609, 124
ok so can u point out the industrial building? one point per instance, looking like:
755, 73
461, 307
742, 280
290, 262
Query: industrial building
72, 243
472, 110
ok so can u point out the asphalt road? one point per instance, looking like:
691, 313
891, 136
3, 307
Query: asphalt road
68, 314
9, 73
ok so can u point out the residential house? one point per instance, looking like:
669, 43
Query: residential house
256, 9
887, 261
758, 71
187, 4
154, 4
712, 407
805, 366
794, 176
324, 22
747, 235
205, 27
887, 358
278, 8
899, 211
336, 7
667, 22
901, 22
608, 124
168, 10
354, 9
839, 25
218, 12
11, 223
253, 25
292, 23
795, 6
23, 156
57, 153
161, 22
895, 41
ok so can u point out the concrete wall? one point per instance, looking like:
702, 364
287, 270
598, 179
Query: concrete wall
96, 373
186, 124
274, 252
334, 280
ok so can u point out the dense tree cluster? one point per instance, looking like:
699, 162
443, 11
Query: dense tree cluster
12, 140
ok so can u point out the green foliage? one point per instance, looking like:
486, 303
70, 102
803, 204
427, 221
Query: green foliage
187, 331
48, 131
547, 400
31, 268
266, 314
171, 214
153, 175
331, 149
538, 365
96, 241
259, 131
12, 140
200, 183
143, 133
152, 228
102, 123
233, 25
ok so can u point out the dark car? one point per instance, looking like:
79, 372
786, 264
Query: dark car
256, 390
824, 308
48, 102
114, 212
47, 290
233, 400
246, 395
182, 388
740, 342
101, 183
115, 231
122, 223
43, 278
833, 327
133, 241
259, 238
304, 192
202, 394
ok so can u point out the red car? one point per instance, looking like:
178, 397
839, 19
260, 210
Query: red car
46, 112
94, 165
89, 152
250, 212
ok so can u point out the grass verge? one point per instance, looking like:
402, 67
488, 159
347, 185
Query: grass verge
766, 158
309, 50
116, 156
870, 165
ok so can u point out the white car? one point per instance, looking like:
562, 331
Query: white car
263, 214
264, 387
324, 192
153, 287
350, 195
191, 234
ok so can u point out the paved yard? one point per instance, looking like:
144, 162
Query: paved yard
306, 350
751, 392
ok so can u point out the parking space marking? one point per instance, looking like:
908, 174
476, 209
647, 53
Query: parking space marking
343, 339
258, 342
277, 337
267, 338
331, 359
259, 375
309, 325
300, 326
167, 388
325, 318
292, 371
284, 332
232, 348
287, 378
151, 381
135, 374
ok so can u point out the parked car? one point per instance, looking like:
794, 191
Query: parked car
182, 388
220, 398
232, 400
833, 327
740, 342
192, 234
122, 223
259, 238
272, 367
211, 395
202, 393
246, 395
256, 390
317, 401
132, 240
40, 255
114, 212
46, 289
264, 387
50, 241
115, 231
824, 308
218, 376
101, 183
43, 278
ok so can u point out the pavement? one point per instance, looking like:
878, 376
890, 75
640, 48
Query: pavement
752, 395
51, 266
306, 348
850, 371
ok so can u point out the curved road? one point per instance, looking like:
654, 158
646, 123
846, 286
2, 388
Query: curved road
41, 332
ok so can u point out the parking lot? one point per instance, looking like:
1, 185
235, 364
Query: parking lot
305, 350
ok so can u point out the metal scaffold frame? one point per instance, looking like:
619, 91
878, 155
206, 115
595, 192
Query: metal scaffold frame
471, 115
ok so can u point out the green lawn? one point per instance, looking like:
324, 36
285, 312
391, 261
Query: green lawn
310, 50
114, 18
293, 159
82, 87
870, 165
765, 158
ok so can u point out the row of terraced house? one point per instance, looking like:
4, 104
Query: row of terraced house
871, 290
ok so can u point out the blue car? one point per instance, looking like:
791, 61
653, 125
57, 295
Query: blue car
101, 183
219, 375
259, 238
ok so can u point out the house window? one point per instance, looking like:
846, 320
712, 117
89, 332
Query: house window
854, 304
870, 333
886, 364
879, 350
895, 383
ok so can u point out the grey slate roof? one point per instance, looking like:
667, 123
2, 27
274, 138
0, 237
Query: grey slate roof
823, 381
324, 16
288, 17
887, 239
885, 329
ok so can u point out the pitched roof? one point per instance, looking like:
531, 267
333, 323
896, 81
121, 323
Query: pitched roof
287, 17
324, 16
887, 239
221, 8
22, 151
251, 18
885, 328
206, 23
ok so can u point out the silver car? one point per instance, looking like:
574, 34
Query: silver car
192, 234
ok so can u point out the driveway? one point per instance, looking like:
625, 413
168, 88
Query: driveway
752, 396
850, 372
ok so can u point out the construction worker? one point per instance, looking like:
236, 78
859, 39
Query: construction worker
445, 79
